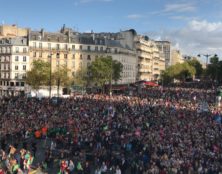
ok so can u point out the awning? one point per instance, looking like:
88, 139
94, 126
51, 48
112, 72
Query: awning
151, 84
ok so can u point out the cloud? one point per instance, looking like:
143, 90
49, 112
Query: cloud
197, 37
134, 16
204, 25
176, 8
181, 18
179, 8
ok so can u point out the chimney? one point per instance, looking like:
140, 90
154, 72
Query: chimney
42, 32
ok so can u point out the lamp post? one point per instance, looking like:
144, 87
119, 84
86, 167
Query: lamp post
50, 76
207, 57
111, 78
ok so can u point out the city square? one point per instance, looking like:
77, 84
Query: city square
121, 87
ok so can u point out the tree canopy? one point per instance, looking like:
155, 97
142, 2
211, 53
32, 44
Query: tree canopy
180, 71
61, 76
39, 74
198, 67
103, 69
214, 69
80, 78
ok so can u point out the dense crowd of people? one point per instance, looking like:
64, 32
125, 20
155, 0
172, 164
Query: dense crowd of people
159, 131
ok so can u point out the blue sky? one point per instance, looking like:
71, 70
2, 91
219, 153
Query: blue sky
193, 26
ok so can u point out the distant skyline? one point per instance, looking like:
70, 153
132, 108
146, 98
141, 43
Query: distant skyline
193, 26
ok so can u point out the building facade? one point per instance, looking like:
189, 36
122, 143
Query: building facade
141, 57
176, 57
164, 48
10, 31
150, 62
14, 56
79, 50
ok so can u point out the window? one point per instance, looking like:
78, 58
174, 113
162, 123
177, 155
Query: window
23, 76
57, 55
73, 47
11, 83
34, 44
96, 48
73, 56
16, 67
80, 57
16, 58
2, 59
24, 67
40, 45
57, 46
3, 50
101, 49
88, 57
65, 56
80, 47
16, 75
116, 50
34, 54
49, 46
22, 83
8, 50
24, 50
88, 48
17, 83
17, 49
40, 54
7, 59
66, 47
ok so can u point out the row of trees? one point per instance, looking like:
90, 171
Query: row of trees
193, 68
101, 71
214, 69
40, 75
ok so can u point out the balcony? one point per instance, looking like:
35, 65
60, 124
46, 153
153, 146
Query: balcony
49, 49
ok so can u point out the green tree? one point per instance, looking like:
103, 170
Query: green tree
81, 77
103, 69
214, 69
39, 74
180, 71
61, 76
117, 70
198, 67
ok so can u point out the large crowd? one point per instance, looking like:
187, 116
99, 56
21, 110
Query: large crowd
159, 131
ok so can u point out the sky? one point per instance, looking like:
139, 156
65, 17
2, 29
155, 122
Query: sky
192, 26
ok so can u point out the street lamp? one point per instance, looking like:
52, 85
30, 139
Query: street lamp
111, 77
207, 57
50, 76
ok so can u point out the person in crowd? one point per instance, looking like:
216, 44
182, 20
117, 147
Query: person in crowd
157, 131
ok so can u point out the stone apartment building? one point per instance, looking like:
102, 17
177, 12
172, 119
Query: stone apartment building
141, 58
14, 62
150, 62
164, 48
176, 57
